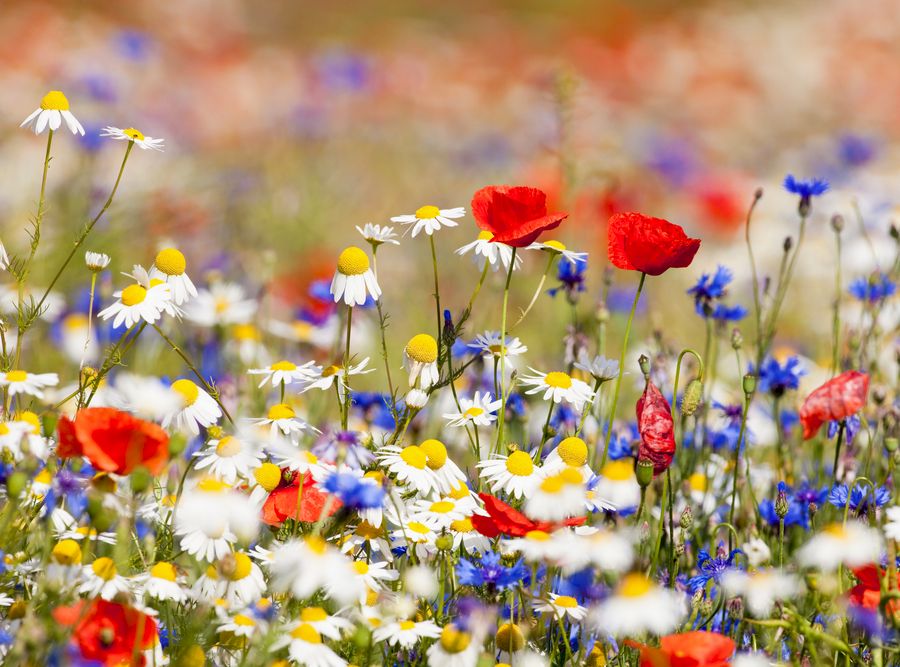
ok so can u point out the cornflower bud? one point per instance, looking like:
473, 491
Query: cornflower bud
781, 504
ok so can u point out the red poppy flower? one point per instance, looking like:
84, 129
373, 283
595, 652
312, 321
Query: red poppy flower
282, 503
504, 520
867, 592
688, 649
657, 429
638, 242
515, 215
837, 399
114, 441
108, 631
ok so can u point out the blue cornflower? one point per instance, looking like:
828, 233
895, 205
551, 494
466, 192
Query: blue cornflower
797, 505
489, 571
355, 492
356, 455
805, 189
620, 445
851, 428
712, 568
775, 378
855, 150
874, 289
860, 497
708, 292
723, 313
571, 278
727, 435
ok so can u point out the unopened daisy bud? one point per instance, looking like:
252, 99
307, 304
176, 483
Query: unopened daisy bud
748, 384
510, 638
416, 398
644, 472
96, 261
177, 443
737, 340
837, 223
692, 396
687, 518
644, 362
215, 432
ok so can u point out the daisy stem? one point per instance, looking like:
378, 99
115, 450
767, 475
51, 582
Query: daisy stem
299, 501
87, 340
81, 237
345, 409
478, 286
545, 434
536, 294
212, 391
383, 326
615, 401
437, 296
503, 388
737, 459
112, 359
757, 305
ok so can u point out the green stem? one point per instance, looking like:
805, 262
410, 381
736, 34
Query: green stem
345, 409
737, 459
437, 296
503, 387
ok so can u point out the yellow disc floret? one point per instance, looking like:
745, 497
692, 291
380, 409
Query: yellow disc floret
281, 411
187, 390
427, 212
422, 348
16, 376
283, 366
67, 552
485, 236
134, 135
558, 379
566, 601
634, 585
242, 566
618, 471
163, 570
414, 456
453, 640
104, 568
353, 261
133, 295
268, 476
520, 464
436, 453
313, 614
573, 451
228, 446
170, 261
555, 245
55, 101
307, 633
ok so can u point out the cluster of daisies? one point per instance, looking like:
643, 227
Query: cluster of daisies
259, 508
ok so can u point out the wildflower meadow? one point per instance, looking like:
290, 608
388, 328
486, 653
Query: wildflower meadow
472, 431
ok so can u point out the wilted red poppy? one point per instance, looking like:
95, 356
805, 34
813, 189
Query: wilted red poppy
657, 429
867, 592
638, 242
504, 520
107, 631
282, 503
688, 649
837, 399
515, 215
114, 441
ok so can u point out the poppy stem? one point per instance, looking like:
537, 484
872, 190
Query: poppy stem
615, 401
837, 448
503, 387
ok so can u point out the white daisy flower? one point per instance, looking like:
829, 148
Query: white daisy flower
415, 535
479, 410
377, 234
286, 454
283, 373
317, 334
22, 382
410, 466
235, 578
611, 551
373, 575
431, 219
197, 407
489, 345
406, 634
562, 606
852, 544
170, 266
367, 536
617, 484
103, 580
15, 434
135, 303
538, 546
53, 111
239, 625
455, 648
892, 522
570, 452
486, 251
761, 589
146, 396
468, 539
437, 514
282, 419
305, 566
163, 583
515, 475
230, 457
305, 647
757, 551
416, 399
599, 367
328, 625
420, 361
221, 304
559, 387
135, 136
211, 517
353, 280
449, 475
557, 497
96, 261
557, 248
4, 257
638, 606
325, 377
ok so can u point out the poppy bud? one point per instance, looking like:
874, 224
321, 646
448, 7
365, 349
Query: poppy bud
644, 362
687, 518
692, 395
656, 428
737, 340
644, 472
748, 384
177, 443
837, 223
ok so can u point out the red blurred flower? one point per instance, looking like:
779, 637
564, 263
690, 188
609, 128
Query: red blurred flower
688, 649
515, 215
638, 242
503, 519
114, 441
282, 503
867, 592
835, 400
657, 429
108, 631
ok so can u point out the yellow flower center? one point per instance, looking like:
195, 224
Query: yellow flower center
422, 348
228, 446
618, 471
313, 614
510, 638
306, 632
367, 530
316, 544
268, 475
418, 527
427, 212
134, 135
442, 507
436, 453
280, 411
474, 411
453, 640
67, 552
4, 429
361, 567
353, 261
163, 570
55, 100
104, 568
75, 322
330, 370
555, 245
187, 390
283, 366
414, 456
460, 492
407, 625
29, 417
552, 484
16, 376
566, 601
573, 451
697, 482
558, 379
634, 585
519, 464
571, 475
212, 485
170, 261
245, 332
537, 536
485, 236
462, 525
246, 621
242, 567
835, 530
133, 295
43, 477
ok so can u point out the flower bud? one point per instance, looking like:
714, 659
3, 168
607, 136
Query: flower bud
748, 384
644, 472
737, 340
215, 432
17, 610
736, 608
894, 232
781, 504
15, 484
758, 193
177, 443
444, 542
787, 244
687, 518
141, 479
812, 508
890, 444
644, 362
837, 223
510, 638
692, 395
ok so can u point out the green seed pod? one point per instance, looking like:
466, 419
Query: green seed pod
692, 396
15, 484
749, 384
644, 473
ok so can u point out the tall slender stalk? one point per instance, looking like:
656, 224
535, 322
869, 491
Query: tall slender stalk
503, 387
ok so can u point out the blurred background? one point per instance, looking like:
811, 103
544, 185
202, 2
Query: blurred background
286, 124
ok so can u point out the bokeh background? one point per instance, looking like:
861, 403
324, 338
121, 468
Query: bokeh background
288, 123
